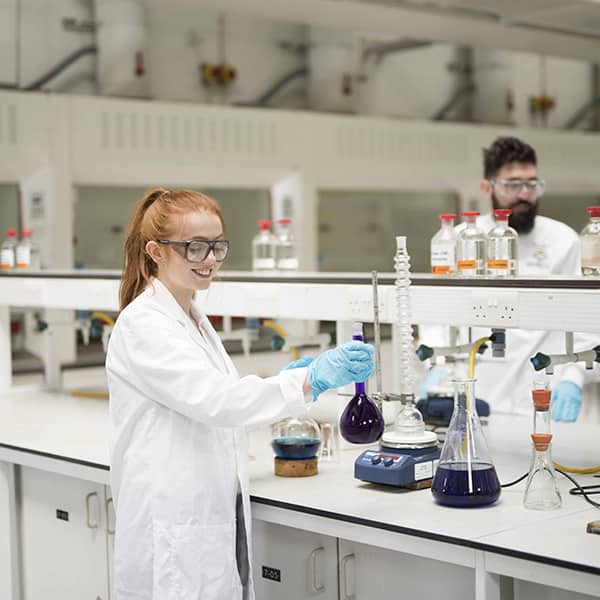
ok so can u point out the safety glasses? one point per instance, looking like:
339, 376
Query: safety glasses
198, 250
511, 188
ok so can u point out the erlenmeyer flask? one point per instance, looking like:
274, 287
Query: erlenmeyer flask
361, 421
541, 491
465, 475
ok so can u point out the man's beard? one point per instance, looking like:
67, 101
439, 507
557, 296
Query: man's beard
523, 221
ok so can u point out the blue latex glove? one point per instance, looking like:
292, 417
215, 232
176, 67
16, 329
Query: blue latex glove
349, 363
566, 402
433, 378
297, 364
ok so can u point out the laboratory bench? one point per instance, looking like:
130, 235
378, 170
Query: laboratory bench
350, 538
329, 536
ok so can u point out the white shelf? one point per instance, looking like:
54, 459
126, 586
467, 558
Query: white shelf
547, 304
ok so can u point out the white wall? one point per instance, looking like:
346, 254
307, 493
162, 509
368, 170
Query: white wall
179, 41
499, 72
406, 84
8, 41
8, 207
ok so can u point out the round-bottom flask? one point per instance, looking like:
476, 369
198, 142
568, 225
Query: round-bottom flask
465, 476
296, 438
361, 421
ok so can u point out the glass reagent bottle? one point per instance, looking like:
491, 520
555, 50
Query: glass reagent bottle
7, 260
471, 247
590, 244
263, 248
502, 246
286, 250
443, 247
23, 250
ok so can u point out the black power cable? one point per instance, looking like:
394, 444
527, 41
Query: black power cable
582, 490
578, 490
515, 481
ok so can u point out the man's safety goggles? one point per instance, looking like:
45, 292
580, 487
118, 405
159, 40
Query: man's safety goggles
512, 187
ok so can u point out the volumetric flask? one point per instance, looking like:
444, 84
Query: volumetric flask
465, 476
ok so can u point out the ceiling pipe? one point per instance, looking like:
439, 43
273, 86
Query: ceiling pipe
268, 94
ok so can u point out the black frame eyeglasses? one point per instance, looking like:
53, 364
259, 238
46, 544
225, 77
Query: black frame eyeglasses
198, 250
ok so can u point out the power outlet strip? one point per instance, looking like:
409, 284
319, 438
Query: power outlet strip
495, 308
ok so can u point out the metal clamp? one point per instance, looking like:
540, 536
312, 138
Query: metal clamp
312, 571
345, 595
87, 510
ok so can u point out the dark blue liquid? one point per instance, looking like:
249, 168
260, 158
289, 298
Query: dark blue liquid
361, 422
451, 485
295, 448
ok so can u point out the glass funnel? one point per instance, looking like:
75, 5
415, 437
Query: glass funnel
296, 438
465, 476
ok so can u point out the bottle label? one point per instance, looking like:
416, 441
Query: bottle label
23, 257
7, 261
263, 264
440, 269
499, 263
424, 470
442, 259
287, 264
464, 265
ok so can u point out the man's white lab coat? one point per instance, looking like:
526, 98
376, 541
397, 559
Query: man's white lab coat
178, 412
550, 248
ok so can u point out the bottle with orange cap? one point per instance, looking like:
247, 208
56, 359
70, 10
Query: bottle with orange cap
590, 243
541, 490
23, 250
443, 247
502, 246
471, 247
7, 260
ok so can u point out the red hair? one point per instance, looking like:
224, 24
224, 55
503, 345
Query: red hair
152, 220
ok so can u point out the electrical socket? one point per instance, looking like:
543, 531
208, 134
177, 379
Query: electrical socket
495, 308
360, 306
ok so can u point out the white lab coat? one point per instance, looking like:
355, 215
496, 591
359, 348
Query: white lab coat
550, 248
178, 410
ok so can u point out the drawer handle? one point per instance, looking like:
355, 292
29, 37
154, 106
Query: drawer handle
88, 521
345, 561
107, 505
312, 571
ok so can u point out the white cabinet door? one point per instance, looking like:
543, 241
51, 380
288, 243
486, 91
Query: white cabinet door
6, 558
64, 550
293, 564
368, 572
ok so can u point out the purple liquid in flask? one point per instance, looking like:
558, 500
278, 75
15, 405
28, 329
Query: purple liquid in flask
361, 422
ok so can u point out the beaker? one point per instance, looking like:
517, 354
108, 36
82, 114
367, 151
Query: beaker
465, 476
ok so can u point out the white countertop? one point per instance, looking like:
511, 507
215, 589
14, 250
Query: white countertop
59, 428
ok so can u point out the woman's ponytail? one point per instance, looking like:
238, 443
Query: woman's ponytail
138, 267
